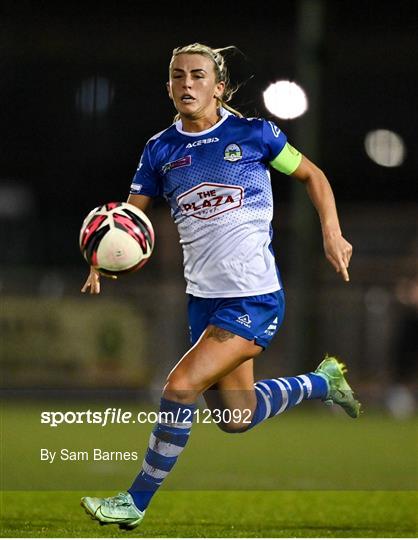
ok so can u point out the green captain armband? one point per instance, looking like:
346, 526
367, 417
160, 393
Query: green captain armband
288, 160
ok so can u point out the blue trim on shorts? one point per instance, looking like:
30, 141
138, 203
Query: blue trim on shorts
256, 318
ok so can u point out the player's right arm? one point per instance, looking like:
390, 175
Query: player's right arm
145, 186
142, 202
146, 180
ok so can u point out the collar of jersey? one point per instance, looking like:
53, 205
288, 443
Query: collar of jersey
224, 115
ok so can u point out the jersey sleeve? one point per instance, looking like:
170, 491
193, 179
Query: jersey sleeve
280, 154
273, 140
146, 180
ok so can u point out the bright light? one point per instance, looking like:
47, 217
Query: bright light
285, 99
384, 147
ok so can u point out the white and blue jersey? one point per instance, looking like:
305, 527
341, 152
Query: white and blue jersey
217, 183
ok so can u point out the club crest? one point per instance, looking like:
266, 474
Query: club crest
232, 152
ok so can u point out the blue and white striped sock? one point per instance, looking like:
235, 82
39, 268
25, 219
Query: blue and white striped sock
166, 443
275, 396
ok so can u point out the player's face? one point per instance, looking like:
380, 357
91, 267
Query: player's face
193, 87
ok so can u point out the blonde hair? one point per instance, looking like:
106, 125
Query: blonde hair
221, 70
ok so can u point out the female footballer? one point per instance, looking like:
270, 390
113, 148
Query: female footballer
212, 166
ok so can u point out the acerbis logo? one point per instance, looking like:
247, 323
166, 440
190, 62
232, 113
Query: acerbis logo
202, 141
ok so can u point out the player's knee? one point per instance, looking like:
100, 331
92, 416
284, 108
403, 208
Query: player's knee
179, 388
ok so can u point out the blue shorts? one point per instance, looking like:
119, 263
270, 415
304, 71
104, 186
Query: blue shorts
256, 318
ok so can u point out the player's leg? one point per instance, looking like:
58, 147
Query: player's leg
258, 319
235, 394
232, 399
216, 354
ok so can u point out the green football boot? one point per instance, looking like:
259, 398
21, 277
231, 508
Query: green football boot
339, 391
119, 510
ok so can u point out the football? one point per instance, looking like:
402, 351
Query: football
116, 238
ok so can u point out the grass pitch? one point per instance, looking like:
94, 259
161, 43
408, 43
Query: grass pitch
312, 472
254, 514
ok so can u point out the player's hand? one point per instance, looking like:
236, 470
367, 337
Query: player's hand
92, 282
338, 251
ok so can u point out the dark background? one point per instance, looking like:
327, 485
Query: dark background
58, 162
72, 161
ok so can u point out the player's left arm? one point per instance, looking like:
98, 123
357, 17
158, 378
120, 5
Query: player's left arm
337, 250
290, 161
